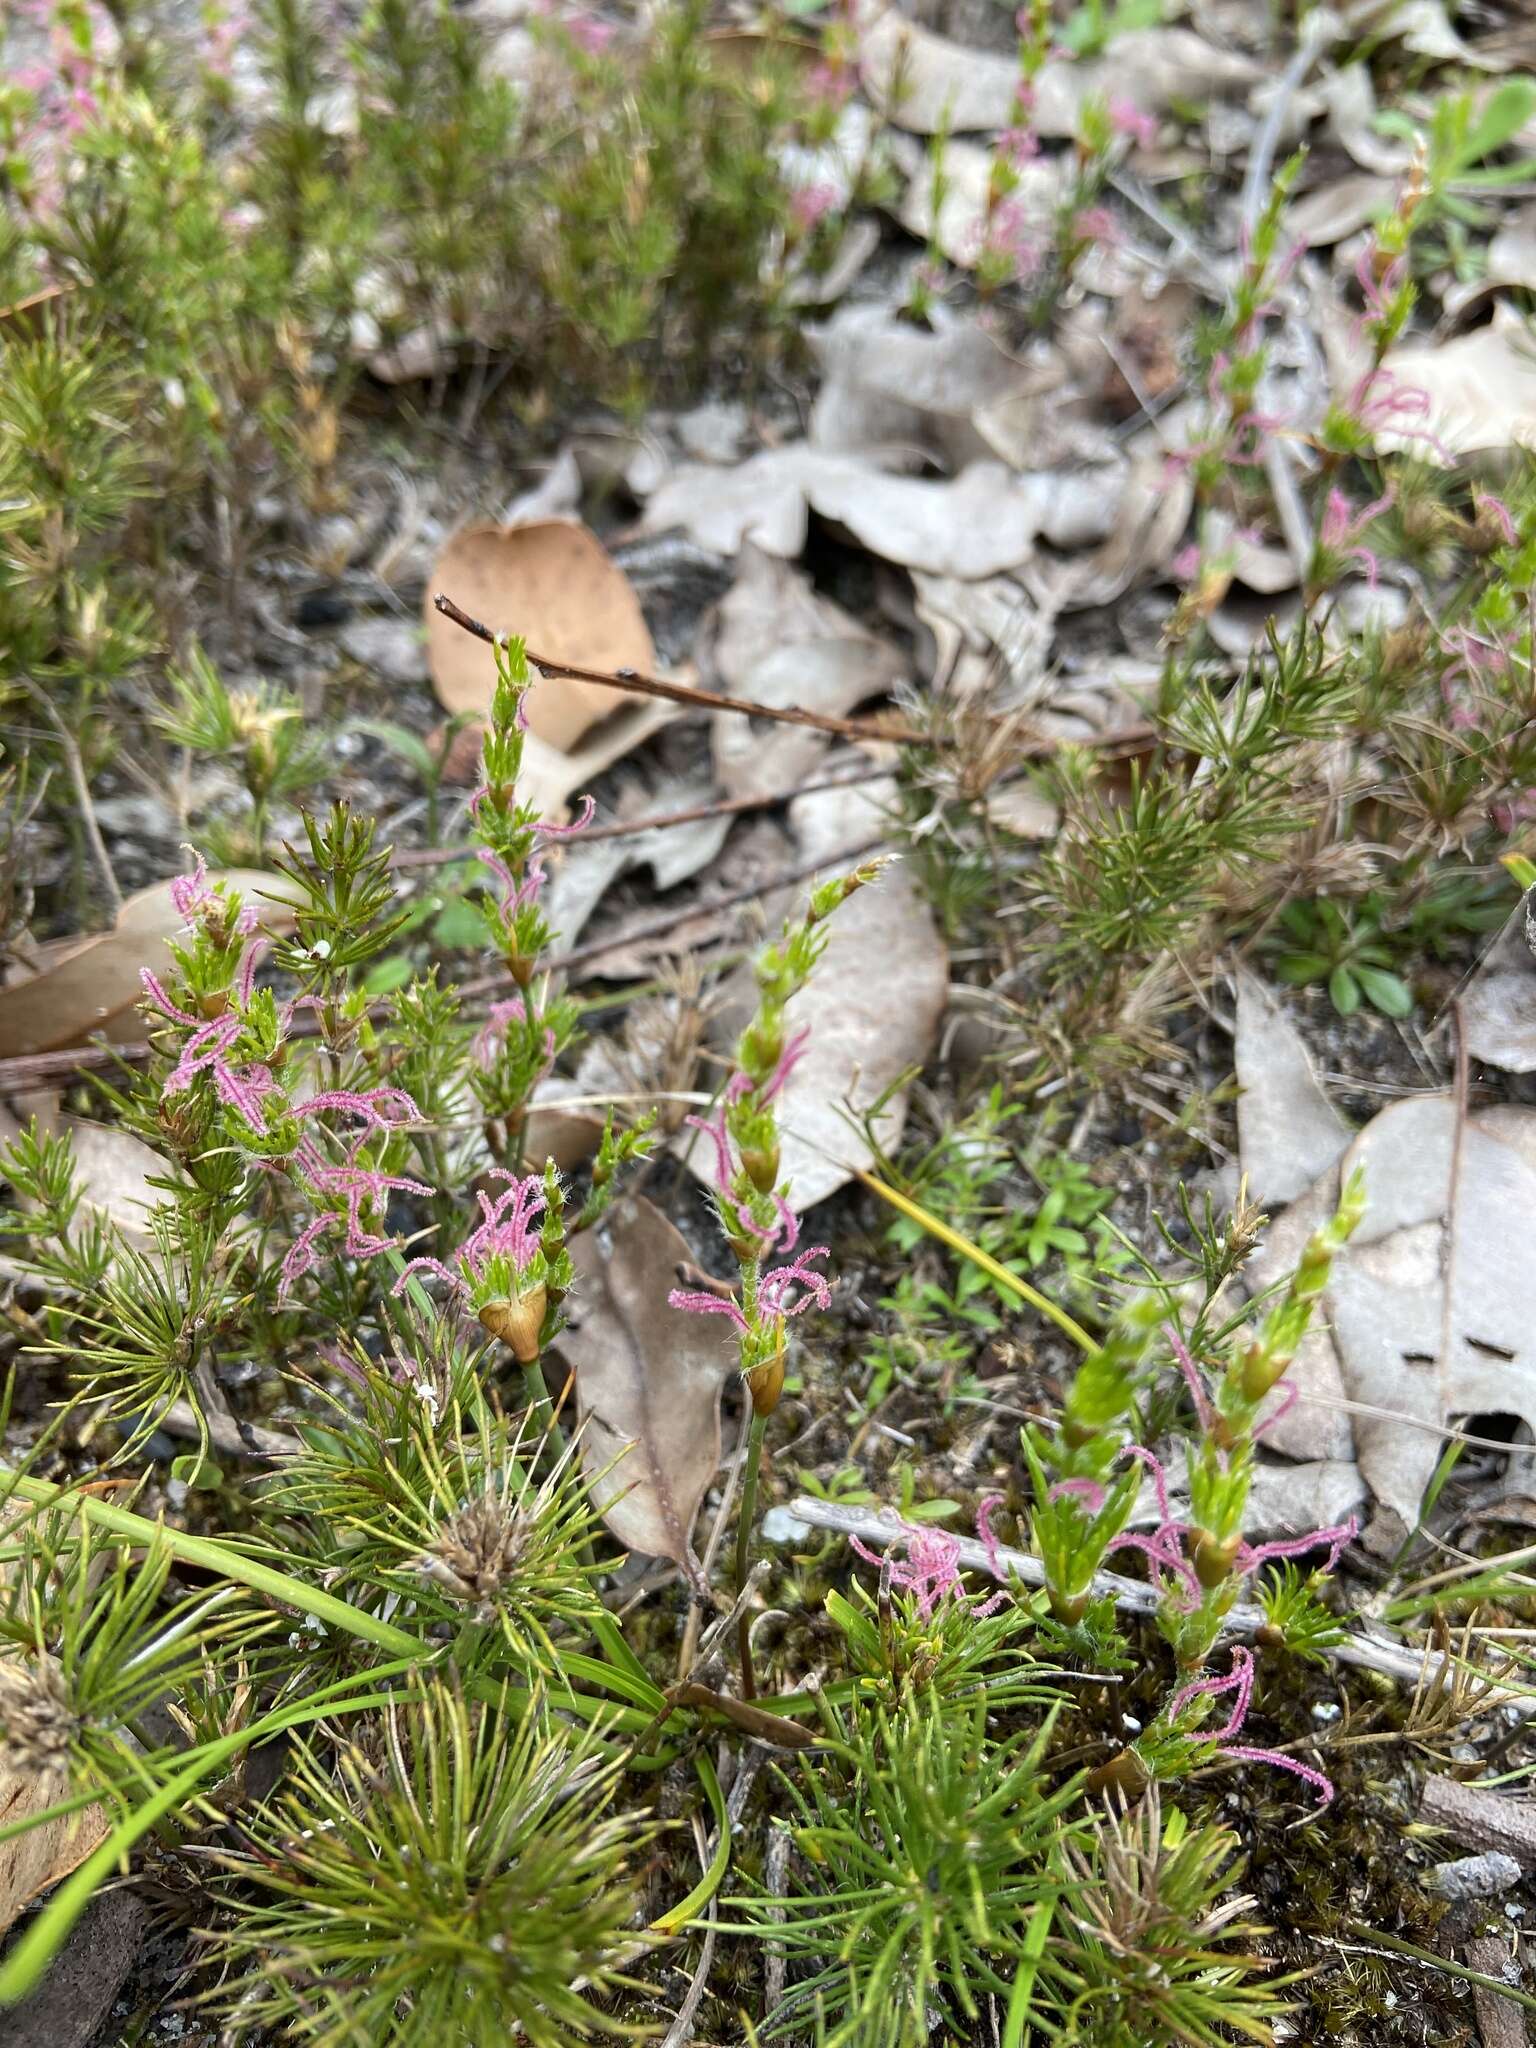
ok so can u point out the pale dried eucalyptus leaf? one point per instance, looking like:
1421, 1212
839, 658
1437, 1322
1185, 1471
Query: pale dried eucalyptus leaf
648, 1382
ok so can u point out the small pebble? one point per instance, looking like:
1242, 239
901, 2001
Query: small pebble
1474, 1877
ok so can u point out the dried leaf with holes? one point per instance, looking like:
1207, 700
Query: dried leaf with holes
90, 985
551, 581
1429, 1316
648, 1383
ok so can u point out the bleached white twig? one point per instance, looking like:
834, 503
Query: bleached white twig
1135, 1596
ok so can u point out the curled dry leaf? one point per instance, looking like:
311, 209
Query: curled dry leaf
551, 581
1339, 208
648, 1382
1149, 517
1481, 388
1498, 1005
90, 985
885, 381
1289, 1133
926, 83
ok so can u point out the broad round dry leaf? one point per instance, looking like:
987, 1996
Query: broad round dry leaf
554, 583
92, 984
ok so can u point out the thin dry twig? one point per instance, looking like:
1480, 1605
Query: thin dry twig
80, 783
637, 685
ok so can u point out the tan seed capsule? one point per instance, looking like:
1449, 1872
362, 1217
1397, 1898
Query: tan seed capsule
518, 1323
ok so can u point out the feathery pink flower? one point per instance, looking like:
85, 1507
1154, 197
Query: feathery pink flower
507, 1229
1239, 1681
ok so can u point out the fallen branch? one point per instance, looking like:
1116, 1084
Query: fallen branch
636, 685
1135, 1596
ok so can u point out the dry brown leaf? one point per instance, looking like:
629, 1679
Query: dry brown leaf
92, 984
1498, 1005
114, 1170
648, 1382
982, 523
1419, 25
761, 500
31, 1863
1481, 387
1289, 1133
553, 582
1350, 99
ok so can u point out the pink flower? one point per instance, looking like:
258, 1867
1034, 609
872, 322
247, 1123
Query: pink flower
930, 1570
589, 34
1239, 1682
774, 1295
829, 85
1342, 526
1095, 224
492, 1035
1018, 145
811, 204
1126, 118
506, 1230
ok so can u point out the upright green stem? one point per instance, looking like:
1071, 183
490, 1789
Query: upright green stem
744, 1528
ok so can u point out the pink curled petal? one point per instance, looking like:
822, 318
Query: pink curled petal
245, 974
700, 1303
302, 1256
244, 1092
546, 830
1289, 1394
1297, 1546
154, 989
715, 1132
789, 1225
986, 1508
1485, 501
190, 892
1322, 1785
1154, 1465
789, 1059
427, 1265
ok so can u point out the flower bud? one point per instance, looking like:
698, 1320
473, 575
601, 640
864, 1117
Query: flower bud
762, 1166
1213, 1561
518, 1322
765, 1383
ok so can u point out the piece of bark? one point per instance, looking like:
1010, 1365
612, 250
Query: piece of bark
1481, 1818
76, 1995
1499, 2020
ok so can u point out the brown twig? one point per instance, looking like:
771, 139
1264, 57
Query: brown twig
662, 821
636, 685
